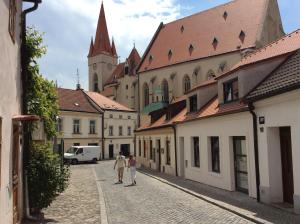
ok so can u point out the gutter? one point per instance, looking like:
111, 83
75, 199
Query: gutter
175, 141
26, 133
256, 153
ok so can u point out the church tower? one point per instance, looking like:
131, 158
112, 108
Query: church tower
102, 57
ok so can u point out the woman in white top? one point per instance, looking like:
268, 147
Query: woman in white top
132, 167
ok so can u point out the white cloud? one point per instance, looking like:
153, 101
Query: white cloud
127, 20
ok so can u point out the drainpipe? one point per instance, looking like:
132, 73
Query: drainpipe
256, 153
139, 108
175, 141
103, 139
26, 133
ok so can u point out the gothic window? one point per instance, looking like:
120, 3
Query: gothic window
210, 74
242, 36
186, 84
146, 94
12, 19
95, 83
165, 91
223, 67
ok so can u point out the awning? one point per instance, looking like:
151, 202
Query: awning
26, 118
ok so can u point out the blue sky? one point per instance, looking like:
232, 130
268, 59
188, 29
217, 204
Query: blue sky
69, 24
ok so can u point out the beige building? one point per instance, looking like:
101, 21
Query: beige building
117, 81
11, 119
119, 123
79, 122
192, 50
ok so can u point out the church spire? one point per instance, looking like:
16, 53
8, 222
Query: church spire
91, 48
113, 48
102, 43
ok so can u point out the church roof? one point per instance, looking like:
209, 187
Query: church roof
226, 28
102, 42
113, 48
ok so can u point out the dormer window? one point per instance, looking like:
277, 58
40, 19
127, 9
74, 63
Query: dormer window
225, 15
215, 43
150, 59
193, 103
242, 36
231, 91
191, 49
170, 53
182, 29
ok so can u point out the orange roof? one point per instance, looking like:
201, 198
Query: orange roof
109, 91
284, 45
208, 33
106, 103
117, 73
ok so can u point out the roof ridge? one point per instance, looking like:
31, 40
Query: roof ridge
270, 44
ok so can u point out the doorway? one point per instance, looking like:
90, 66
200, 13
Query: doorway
240, 164
159, 154
182, 159
15, 172
111, 151
287, 164
125, 149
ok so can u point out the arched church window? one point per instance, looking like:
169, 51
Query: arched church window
186, 83
165, 91
95, 83
146, 94
210, 74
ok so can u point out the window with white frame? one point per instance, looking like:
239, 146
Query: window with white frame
76, 126
231, 91
92, 127
110, 130
120, 130
196, 152
168, 153
128, 130
215, 154
59, 125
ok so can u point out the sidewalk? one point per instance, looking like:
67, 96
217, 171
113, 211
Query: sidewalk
79, 204
236, 202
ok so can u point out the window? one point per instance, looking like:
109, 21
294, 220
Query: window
191, 49
126, 86
186, 84
145, 148
168, 156
242, 36
140, 148
223, 67
92, 127
210, 74
165, 91
196, 152
93, 144
120, 116
225, 15
76, 144
120, 130
151, 148
111, 131
231, 91
126, 69
111, 116
146, 94
170, 53
76, 126
128, 131
79, 151
215, 154
59, 125
193, 103
12, 19
215, 43
95, 81
0, 147
182, 29
129, 117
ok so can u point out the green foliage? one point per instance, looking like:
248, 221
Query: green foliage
41, 94
47, 178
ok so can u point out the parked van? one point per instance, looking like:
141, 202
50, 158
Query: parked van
77, 154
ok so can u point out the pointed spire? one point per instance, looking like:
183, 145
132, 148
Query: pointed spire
113, 48
91, 48
102, 43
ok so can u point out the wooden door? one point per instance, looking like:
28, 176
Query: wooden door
15, 173
287, 164
111, 151
159, 155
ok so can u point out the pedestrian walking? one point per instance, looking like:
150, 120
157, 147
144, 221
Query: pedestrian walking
121, 164
132, 167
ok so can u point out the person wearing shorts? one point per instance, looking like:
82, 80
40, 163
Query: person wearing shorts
121, 164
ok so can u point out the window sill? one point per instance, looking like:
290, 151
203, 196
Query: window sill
93, 133
215, 174
77, 133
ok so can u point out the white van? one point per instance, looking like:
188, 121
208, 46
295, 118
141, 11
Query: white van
77, 154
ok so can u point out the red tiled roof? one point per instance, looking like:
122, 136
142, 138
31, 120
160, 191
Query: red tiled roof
285, 45
106, 103
117, 73
109, 91
201, 29
74, 100
113, 48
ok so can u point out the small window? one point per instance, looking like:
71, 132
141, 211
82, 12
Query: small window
12, 19
120, 131
126, 86
92, 127
146, 94
59, 125
170, 53
111, 116
140, 148
182, 29
120, 116
225, 15
242, 36
186, 84
128, 131
168, 155
111, 131
126, 69
222, 67
231, 91
196, 152
215, 43
210, 74
76, 126
193, 103
129, 117
150, 59
76, 144
191, 49
215, 154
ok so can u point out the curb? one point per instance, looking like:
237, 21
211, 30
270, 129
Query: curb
103, 213
217, 203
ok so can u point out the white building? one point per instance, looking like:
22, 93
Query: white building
118, 125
